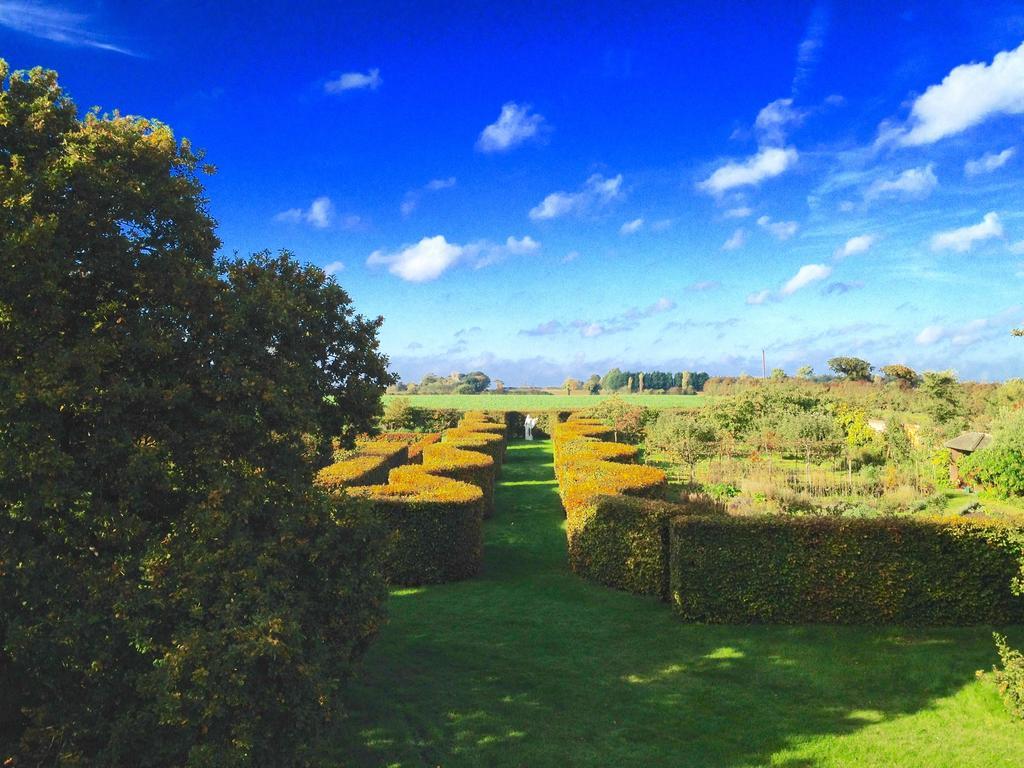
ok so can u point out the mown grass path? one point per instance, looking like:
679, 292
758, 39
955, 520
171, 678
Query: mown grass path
530, 666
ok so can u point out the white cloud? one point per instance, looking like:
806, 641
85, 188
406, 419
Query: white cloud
436, 184
989, 162
972, 331
766, 164
737, 240
930, 334
967, 96
514, 125
782, 230
774, 120
591, 330
631, 227
738, 213
759, 298
856, 245
964, 238
412, 197
596, 192
807, 274
319, 214
355, 81
913, 183
419, 263
53, 24
334, 267
432, 256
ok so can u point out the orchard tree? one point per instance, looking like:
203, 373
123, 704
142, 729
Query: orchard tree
804, 372
686, 438
173, 588
570, 385
853, 368
593, 384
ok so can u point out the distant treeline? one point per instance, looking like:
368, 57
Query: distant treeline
684, 382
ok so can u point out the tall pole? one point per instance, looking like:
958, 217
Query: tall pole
764, 365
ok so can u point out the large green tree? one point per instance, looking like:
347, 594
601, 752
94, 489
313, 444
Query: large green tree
853, 368
173, 589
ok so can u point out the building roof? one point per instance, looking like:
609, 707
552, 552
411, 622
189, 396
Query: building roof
968, 442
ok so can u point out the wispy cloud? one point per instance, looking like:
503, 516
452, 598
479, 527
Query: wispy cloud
432, 256
589, 329
967, 96
411, 200
913, 183
738, 213
807, 275
55, 24
963, 239
809, 51
774, 121
990, 161
855, 245
631, 227
334, 267
319, 214
766, 164
972, 331
596, 192
703, 285
355, 81
514, 125
781, 230
736, 240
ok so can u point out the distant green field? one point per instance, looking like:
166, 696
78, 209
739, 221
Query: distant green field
490, 402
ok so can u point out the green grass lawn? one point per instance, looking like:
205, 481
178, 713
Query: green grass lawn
528, 665
493, 402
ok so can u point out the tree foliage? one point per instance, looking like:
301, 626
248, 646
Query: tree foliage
173, 589
903, 374
852, 368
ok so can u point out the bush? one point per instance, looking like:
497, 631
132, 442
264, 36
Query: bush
1009, 677
846, 571
434, 529
622, 541
472, 467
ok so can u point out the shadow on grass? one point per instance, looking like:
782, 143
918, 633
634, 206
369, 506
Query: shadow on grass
530, 666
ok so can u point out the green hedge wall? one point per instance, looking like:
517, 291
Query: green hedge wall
623, 541
433, 525
785, 570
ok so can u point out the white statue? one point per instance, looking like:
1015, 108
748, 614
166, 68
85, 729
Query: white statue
528, 424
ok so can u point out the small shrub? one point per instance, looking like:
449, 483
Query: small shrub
1009, 677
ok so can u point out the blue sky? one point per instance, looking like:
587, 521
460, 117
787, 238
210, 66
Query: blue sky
540, 193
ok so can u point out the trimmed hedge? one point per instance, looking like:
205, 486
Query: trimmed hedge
616, 528
370, 466
416, 441
469, 439
434, 526
623, 541
785, 570
473, 467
